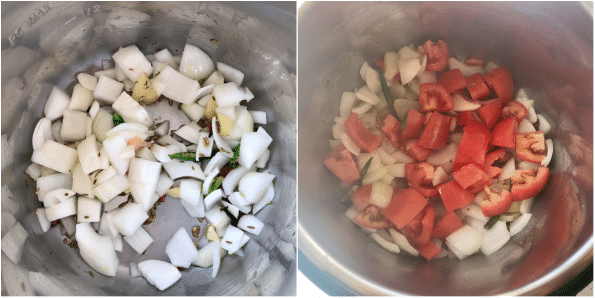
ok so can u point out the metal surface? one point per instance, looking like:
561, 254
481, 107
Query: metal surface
548, 46
65, 38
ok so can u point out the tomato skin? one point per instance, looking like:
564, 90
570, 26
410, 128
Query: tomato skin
490, 113
434, 97
472, 178
415, 121
514, 109
504, 133
453, 80
531, 147
474, 61
445, 224
496, 203
371, 217
419, 229
454, 196
341, 163
500, 81
361, 197
391, 128
473, 145
437, 55
463, 118
404, 205
488, 167
429, 250
435, 134
380, 63
420, 175
528, 183
476, 87
416, 151
360, 135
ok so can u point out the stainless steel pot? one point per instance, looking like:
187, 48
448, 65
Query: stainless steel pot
548, 46
47, 43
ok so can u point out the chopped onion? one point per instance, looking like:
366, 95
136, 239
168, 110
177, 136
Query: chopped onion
111, 188
179, 168
129, 218
13, 242
196, 211
392, 247
131, 110
190, 190
549, 144
86, 80
42, 133
402, 242
544, 125
88, 209
55, 156
461, 103
134, 272
43, 220
507, 170
350, 144
525, 126
440, 176
61, 210
266, 199
494, 238
57, 102
218, 218
161, 274
195, 63
238, 200
396, 170
346, 105
381, 194
107, 90
205, 254
132, 62
230, 73
216, 78
475, 212
98, 251
526, 205
518, 224
48, 183
254, 185
375, 175
467, 240
467, 70
444, 156
180, 249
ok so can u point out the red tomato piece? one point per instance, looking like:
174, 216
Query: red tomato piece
473, 145
360, 135
488, 167
528, 183
420, 176
371, 218
474, 61
472, 178
496, 203
419, 229
463, 118
437, 55
391, 128
361, 197
435, 134
434, 97
445, 224
341, 163
476, 87
500, 81
490, 113
415, 120
453, 80
416, 151
404, 205
454, 196
429, 250
380, 63
531, 146
514, 109
504, 133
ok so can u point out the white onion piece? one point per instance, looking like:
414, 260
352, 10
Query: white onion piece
74, 126
507, 170
525, 126
131, 110
523, 165
402, 157
392, 247
34, 171
161, 274
456, 252
261, 162
402, 242
127, 152
544, 125
216, 163
375, 175
195, 211
461, 103
216, 259
266, 199
59, 195
129, 218
204, 91
180, 249
338, 130
518, 224
132, 62
106, 226
490, 66
180, 168
238, 200
216, 78
13, 242
427, 77
373, 80
107, 90
366, 95
163, 184
42, 133
41, 217
86, 80
230, 95
98, 251
381, 194
396, 170
161, 153
526, 205
205, 254
408, 52
350, 144
351, 213
250, 224
254, 185
81, 98
220, 142
479, 197
120, 75
475, 212
111, 188
424, 61
233, 178
162, 128
232, 239
230, 74
166, 57
219, 219
494, 238
57, 102
252, 146
467, 70
549, 144
141, 129
62, 209
190, 191
391, 65
440, 176
444, 156
134, 272
88, 210
467, 240
474, 223
193, 110
175, 85
69, 225
189, 132
208, 181
205, 145
531, 115
104, 175
233, 210
55, 156
195, 63
102, 123
386, 158
346, 105
408, 68
114, 203
48, 183
113, 146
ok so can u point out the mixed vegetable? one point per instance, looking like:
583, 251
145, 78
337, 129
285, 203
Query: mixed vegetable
102, 164
452, 156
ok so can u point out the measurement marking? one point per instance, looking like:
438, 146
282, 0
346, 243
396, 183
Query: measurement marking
68, 22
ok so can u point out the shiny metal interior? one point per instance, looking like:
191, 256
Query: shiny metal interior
548, 46
65, 38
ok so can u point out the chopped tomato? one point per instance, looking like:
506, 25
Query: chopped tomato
420, 176
453, 80
415, 120
472, 178
474, 61
341, 163
360, 135
371, 217
361, 197
476, 87
445, 224
473, 145
380, 63
488, 167
419, 229
416, 151
514, 109
528, 183
504, 133
435, 134
531, 146
434, 97
500, 81
463, 118
429, 250
490, 113
404, 205
496, 203
391, 128
454, 196
437, 55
